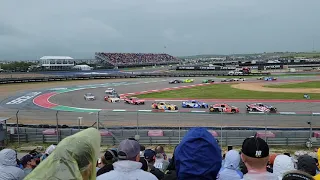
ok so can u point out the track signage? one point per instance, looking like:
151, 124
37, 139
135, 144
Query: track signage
24, 98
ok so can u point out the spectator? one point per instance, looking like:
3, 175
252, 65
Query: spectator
282, 164
74, 158
297, 175
230, 168
270, 162
142, 149
36, 155
150, 156
128, 166
110, 157
29, 163
48, 151
198, 156
160, 162
307, 164
170, 174
8, 166
142, 160
255, 155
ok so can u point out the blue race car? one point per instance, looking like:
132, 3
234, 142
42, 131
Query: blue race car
194, 104
270, 78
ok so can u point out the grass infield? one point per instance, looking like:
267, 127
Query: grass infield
310, 84
224, 91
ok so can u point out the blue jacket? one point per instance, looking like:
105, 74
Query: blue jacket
198, 156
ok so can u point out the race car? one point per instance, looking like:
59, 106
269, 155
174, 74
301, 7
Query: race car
133, 100
175, 81
89, 96
227, 80
112, 98
260, 78
260, 107
225, 108
164, 106
238, 79
110, 91
188, 80
270, 78
194, 104
208, 81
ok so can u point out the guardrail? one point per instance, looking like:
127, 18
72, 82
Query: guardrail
117, 76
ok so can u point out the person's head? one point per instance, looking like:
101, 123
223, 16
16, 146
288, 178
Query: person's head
307, 164
198, 156
297, 175
255, 153
129, 150
109, 157
282, 164
28, 161
160, 152
36, 155
8, 157
149, 155
142, 149
232, 160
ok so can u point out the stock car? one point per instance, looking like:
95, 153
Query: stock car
260, 107
194, 104
110, 91
112, 98
89, 96
133, 100
270, 78
188, 80
225, 108
238, 79
208, 81
164, 106
227, 80
175, 81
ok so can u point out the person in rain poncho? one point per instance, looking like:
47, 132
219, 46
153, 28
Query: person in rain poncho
8, 166
282, 164
74, 158
230, 167
198, 156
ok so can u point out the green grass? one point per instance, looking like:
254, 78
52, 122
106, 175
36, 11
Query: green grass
310, 84
277, 75
224, 91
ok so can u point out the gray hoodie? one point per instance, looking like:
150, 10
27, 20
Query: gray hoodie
230, 167
8, 163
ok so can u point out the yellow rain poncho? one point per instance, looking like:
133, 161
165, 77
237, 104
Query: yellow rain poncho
74, 156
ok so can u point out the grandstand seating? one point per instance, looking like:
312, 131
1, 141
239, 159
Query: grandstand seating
135, 59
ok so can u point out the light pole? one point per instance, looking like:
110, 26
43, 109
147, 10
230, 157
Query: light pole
309, 143
79, 122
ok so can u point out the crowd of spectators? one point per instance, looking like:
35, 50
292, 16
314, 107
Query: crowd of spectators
120, 59
197, 157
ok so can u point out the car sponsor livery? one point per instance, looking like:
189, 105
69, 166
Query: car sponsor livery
133, 100
89, 96
188, 80
260, 107
194, 104
112, 98
208, 81
225, 108
164, 106
110, 91
175, 81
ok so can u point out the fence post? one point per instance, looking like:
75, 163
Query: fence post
57, 127
265, 127
221, 116
18, 132
98, 120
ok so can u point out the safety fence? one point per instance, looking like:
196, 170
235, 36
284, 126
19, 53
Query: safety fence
278, 129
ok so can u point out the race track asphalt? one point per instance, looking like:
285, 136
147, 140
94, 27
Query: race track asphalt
108, 119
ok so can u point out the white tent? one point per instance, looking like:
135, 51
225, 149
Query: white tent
83, 67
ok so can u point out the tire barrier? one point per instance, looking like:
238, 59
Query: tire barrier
118, 76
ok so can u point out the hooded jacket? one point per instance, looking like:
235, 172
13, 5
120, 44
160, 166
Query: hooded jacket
230, 167
127, 170
8, 166
73, 155
282, 164
198, 156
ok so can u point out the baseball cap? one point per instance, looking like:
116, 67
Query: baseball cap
255, 147
25, 159
128, 149
149, 154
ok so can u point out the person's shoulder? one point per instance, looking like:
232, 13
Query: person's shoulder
147, 175
108, 175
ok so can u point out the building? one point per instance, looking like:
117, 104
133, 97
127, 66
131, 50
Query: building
56, 62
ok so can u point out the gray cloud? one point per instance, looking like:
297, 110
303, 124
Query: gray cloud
78, 28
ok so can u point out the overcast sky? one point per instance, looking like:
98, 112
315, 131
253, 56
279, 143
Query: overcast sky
30, 29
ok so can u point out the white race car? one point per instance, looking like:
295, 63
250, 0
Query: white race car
112, 98
89, 96
239, 79
110, 91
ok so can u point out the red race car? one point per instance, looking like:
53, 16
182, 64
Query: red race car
225, 108
133, 100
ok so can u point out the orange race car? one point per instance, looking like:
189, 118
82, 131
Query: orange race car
225, 108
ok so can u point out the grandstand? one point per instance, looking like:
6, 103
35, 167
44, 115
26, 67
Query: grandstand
134, 59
